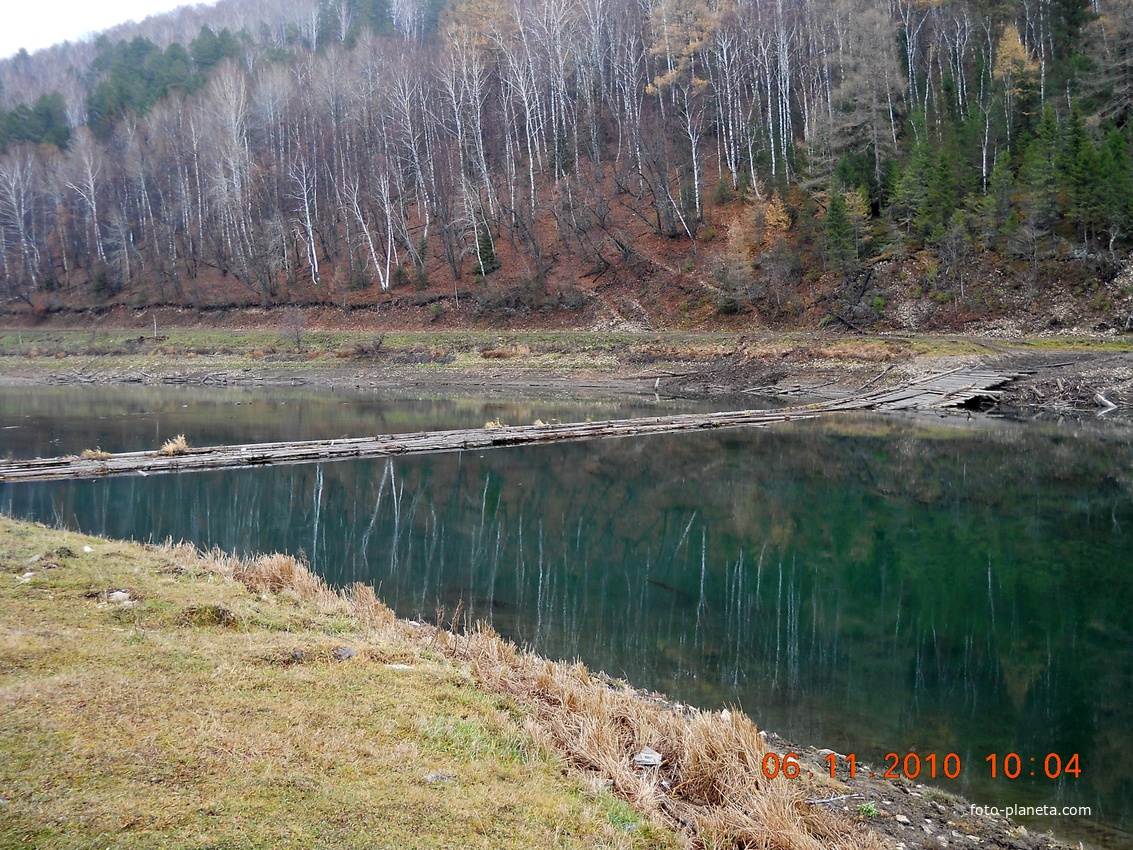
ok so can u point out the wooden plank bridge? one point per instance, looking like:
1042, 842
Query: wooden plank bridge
955, 388
948, 389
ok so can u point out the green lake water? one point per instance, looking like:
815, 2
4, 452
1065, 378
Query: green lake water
868, 584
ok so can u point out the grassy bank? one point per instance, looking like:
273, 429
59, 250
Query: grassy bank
199, 713
445, 352
343, 344
198, 349
155, 698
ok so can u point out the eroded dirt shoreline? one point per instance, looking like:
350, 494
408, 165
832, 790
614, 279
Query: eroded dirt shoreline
1062, 380
914, 814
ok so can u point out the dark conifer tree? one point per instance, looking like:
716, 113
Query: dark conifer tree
1040, 174
839, 244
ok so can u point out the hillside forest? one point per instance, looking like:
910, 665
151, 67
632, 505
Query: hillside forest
778, 152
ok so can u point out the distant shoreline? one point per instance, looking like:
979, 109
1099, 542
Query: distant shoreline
1065, 373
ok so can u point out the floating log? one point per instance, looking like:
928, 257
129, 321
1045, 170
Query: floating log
949, 389
389, 445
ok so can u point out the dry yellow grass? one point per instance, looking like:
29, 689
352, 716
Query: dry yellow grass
94, 454
683, 350
711, 784
506, 352
768, 352
873, 352
178, 445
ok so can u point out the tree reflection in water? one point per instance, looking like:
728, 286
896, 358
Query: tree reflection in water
864, 584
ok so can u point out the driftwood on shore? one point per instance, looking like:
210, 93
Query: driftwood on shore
955, 388
212, 379
949, 389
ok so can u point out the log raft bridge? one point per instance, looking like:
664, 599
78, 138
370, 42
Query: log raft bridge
955, 388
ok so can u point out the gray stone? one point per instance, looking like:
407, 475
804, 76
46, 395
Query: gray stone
648, 757
343, 653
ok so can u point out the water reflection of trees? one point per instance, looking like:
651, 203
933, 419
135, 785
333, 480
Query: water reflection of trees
870, 590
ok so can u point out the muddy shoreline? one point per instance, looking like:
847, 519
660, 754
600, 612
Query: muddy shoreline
1061, 381
911, 814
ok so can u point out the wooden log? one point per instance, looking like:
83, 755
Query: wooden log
220, 457
931, 392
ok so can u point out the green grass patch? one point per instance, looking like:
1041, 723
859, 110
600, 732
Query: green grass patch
1122, 344
193, 713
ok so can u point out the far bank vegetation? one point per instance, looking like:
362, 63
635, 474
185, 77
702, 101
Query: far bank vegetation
320, 152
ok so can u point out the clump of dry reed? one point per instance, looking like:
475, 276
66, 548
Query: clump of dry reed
506, 352
285, 575
768, 352
870, 352
177, 446
95, 454
278, 573
710, 785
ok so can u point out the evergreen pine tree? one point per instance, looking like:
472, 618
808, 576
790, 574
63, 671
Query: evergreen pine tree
942, 197
911, 187
994, 209
486, 252
1040, 174
1073, 138
1115, 207
1086, 190
839, 235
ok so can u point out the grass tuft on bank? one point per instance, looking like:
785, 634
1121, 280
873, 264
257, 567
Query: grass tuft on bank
158, 697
